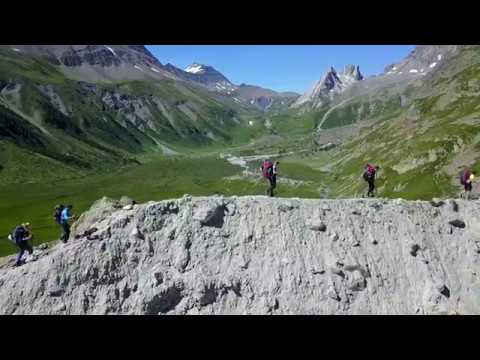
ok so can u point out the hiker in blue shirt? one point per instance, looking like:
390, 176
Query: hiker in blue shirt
65, 217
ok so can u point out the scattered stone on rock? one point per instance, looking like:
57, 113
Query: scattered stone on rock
454, 206
477, 246
436, 202
60, 308
457, 223
318, 227
356, 212
351, 267
377, 206
136, 233
284, 207
55, 292
332, 294
444, 290
414, 248
87, 233
336, 271
358, 285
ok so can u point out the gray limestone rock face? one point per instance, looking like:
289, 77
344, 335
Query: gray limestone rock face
257, 255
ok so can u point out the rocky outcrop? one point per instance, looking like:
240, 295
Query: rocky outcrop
330, 86
94, 63
423, 59
257, 255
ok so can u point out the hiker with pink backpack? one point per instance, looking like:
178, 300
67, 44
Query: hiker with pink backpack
369, 175
269, 171
466, 179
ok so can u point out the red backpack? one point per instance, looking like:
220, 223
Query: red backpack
267, 168
464, 176
369, 172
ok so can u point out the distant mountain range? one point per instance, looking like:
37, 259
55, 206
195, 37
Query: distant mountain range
96, 63
337, 86
72, 107
82, 107
249, 95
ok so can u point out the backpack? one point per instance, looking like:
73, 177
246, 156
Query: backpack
267, 168
369, 172
464, 176
57, 215
18, 234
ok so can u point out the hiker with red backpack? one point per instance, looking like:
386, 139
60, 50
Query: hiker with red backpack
269, 173
466, 179
369, 175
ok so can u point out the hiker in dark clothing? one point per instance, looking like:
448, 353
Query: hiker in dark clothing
22, 236
369, 174
64, 222
466, 179
267, 171
57, 215
274, 175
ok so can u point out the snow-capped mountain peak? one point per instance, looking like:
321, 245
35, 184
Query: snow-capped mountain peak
196, 69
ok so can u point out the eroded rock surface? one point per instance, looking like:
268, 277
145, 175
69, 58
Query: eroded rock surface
257, 255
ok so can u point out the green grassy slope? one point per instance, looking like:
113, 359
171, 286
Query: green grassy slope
81, 129
158, 179
422, 148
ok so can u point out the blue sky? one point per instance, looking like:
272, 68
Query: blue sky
281, 67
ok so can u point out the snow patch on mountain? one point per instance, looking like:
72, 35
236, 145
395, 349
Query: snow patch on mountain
195, 69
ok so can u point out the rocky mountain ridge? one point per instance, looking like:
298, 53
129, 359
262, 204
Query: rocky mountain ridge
330, 85
247, 95
257, 255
